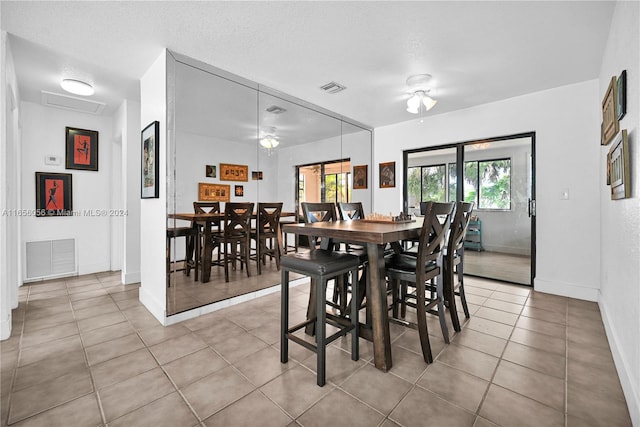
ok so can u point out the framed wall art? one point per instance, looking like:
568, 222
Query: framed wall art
239, 191
620, 175
230, 172
150, 176
210, 171
256, 175
81, 149
621, 95
609, 115
360, 174
54, 196
387, 175
213, 192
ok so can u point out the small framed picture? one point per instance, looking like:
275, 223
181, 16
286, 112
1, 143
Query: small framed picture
388, 175
54, 196
150, 183
239, 190
256, 175
621, 95
81, 149
609, 116
210, 171
360, 174
619, 173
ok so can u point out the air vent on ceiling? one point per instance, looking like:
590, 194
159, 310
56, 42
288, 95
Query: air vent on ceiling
57, 100
275, 109
333, 87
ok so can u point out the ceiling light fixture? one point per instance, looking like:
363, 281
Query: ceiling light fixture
77, 87
419, 89
269, 140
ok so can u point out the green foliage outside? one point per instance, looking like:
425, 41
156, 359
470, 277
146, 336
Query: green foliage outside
491, 179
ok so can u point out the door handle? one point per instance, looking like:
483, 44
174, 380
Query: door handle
532, 208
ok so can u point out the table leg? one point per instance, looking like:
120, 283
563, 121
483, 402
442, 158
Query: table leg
206, 254
377, 299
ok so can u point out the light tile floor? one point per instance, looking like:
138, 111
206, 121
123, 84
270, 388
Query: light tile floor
85, 352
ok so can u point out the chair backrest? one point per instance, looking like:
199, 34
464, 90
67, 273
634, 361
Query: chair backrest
435, 230
318, 212
269, 218
459, 226
206, 207
237, 219
350, 211
423, 208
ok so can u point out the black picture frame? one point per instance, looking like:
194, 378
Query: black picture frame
54, 194
81, 149
149, 168
621, 95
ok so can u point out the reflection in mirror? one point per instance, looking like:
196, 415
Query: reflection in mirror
247, 145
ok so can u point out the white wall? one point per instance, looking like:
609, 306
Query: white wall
153, 106
620, 228
44, 134
567, 125
10, 258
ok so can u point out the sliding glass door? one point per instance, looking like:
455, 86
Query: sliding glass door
497, 175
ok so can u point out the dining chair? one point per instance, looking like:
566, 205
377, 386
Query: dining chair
454, 263
317, 212
350, 211
423, 272
214, 233
267, 234
235, 238
189, 233
321, 266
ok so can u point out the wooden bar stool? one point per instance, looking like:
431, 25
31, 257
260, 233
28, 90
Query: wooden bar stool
190, 235
321, 266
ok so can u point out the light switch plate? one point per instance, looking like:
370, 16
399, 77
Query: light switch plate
52, 160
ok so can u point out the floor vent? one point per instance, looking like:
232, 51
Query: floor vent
51, 258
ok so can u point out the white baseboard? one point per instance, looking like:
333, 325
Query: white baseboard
5, 328
129, 278
155, 308
565, 289
629, 387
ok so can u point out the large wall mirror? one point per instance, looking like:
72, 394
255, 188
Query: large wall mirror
237, 142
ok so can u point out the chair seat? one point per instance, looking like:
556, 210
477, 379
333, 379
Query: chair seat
319, 262
406, 263
180, 231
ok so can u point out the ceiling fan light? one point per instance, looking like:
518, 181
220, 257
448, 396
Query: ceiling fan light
429, 102
413, 104
269, 142
77, 87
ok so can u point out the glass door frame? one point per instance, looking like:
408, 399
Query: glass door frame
460, 149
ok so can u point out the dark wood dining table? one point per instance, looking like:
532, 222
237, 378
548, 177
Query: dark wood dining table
206, 221
375, 235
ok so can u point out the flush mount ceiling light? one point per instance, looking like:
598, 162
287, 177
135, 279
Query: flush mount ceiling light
269, 140
419, 90
77, 87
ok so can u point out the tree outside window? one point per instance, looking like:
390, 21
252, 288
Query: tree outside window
487, 183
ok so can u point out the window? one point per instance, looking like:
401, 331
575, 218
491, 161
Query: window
487, 183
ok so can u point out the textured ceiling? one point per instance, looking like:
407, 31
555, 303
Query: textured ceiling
477, 51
